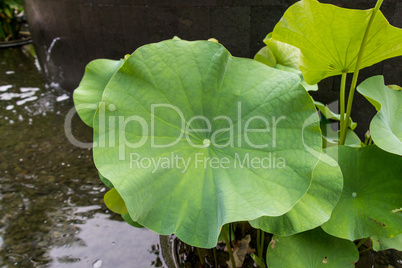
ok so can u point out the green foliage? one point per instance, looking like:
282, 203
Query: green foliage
88, 95
371, 194
382, 243
10, 23
284, 57
311, 249
203, 96
114, 202
386, 126
201, 79
330, 37
314, 208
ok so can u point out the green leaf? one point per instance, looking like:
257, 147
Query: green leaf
283, 57
126, 218
105, 181
265, 55
371, 193
329, 38
232, 234
314, 208
89, 93
331, 137
324, 109
201, 83
285, 54
394, 87
386, 125
311, 249
114, 202
259, 261
381, 243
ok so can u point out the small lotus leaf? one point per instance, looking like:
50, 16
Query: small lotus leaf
114, 202
386, 126
326, 111
284, 57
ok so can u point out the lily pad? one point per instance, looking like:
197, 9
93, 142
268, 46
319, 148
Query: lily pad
386, 126
89, 93
176, 149
311, 249
371, 194
381, 243
329, 38
314, 208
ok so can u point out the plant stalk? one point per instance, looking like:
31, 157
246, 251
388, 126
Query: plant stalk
202, 261
262, 236
361, 242
356, 72
364, 250
342, 99
215, 258
229, 247
258, 243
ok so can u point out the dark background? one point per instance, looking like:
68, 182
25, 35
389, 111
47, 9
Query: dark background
89, 29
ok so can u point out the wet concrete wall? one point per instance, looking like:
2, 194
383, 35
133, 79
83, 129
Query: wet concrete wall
70, 33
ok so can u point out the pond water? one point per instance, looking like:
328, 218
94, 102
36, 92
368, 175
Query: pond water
51, 199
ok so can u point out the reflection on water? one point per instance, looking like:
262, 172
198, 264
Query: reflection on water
51, 200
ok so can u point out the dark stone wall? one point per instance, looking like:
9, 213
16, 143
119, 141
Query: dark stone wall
83, 30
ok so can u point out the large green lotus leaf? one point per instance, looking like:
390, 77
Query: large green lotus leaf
386, 126
381, 243
89, 93
314, 208
371, 196
311, 249
329, 38
160, 167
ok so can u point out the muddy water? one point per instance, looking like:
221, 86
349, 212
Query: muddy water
51, 200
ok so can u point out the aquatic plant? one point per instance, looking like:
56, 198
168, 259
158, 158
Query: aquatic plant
10, 23
191, 139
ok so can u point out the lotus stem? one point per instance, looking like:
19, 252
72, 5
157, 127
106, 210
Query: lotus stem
258, 243
229, 247
215, 258
356, 73
361, 242
261, 243
342, 99
200, 257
